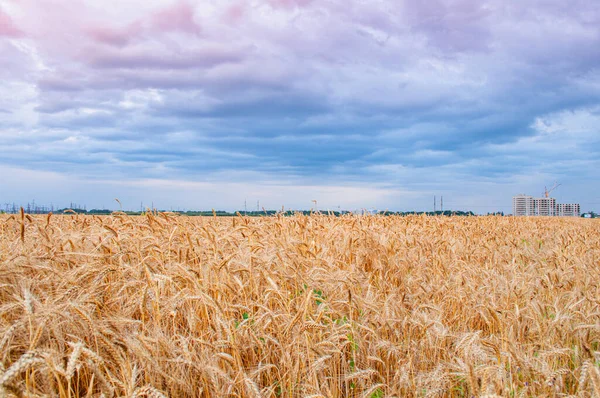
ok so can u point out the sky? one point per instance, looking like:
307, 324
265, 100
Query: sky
379, 104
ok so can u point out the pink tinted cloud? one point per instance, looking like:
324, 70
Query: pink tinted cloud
115, 36
8, 27
177, 17
289, 3
234, 14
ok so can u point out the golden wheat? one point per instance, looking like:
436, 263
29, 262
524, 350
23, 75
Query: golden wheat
166, 305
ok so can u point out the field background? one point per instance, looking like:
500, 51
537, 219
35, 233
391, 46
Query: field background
299, 306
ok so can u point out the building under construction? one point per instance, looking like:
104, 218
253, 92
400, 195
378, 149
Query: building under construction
525, 205
568, 210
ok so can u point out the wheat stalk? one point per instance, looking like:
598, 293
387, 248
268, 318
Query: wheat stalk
594, 375
25, 362
148, 391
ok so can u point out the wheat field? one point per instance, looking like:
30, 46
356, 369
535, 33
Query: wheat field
303, 306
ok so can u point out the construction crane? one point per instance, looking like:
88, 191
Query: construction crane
547, 191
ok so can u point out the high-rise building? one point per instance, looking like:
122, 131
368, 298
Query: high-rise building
568, 210
544, 206
523, 205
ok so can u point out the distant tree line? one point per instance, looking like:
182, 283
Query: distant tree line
33, 208
77, 209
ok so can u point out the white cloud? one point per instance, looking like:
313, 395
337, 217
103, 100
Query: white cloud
135, 99
575, 127
18, 100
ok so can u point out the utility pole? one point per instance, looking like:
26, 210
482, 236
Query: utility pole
257, 205
245, 208
434, 204
442, 203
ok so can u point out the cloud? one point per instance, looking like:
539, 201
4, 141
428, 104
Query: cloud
230, 195
142, 58
177, 17
456, 26
7, 26
402, 99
